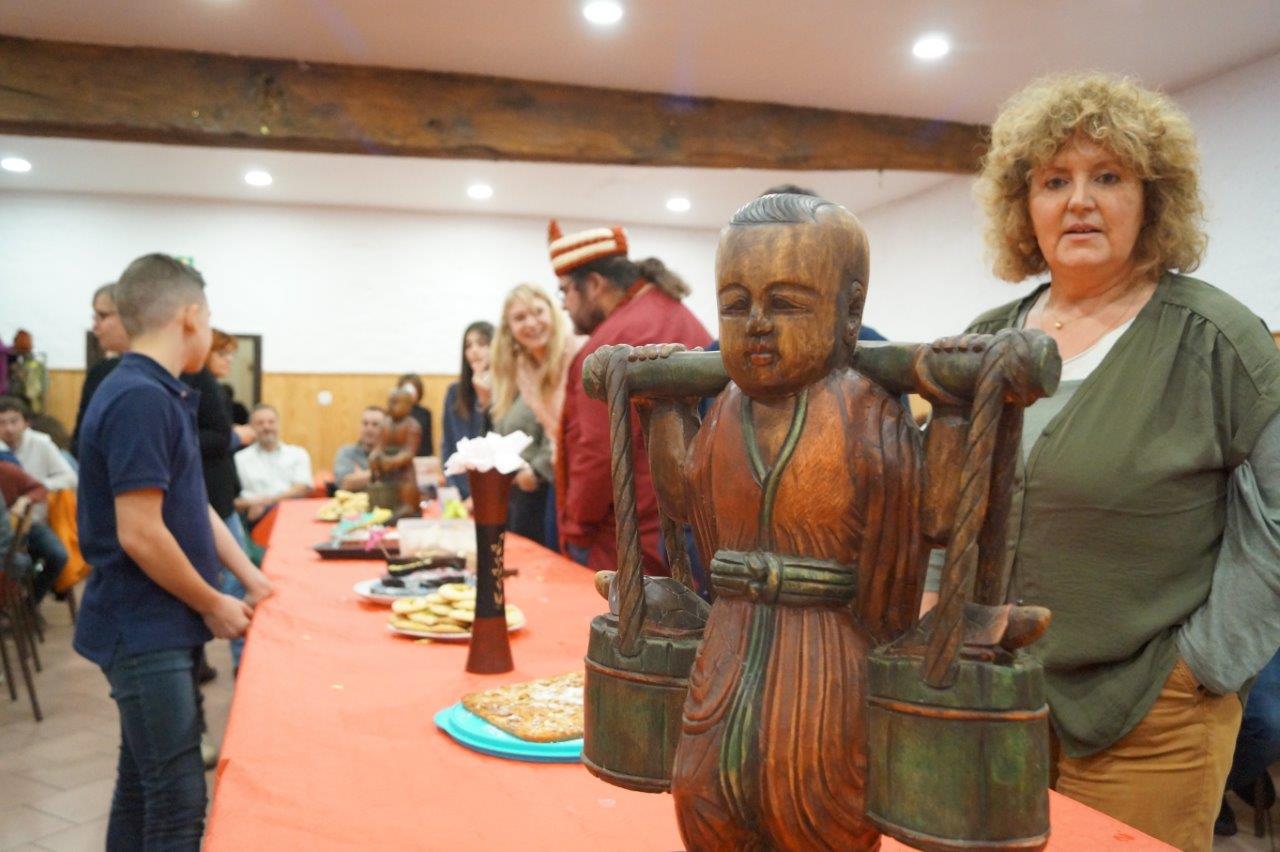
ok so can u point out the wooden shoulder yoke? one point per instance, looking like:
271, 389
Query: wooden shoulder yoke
944, 372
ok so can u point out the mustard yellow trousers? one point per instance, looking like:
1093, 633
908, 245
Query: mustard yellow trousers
1166, 776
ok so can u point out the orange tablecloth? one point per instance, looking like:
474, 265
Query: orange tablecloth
330, 743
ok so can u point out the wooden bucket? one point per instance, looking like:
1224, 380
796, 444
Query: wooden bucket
637, 670
962, 768
632, 705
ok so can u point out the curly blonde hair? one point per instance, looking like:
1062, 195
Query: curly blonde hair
506, 351
1149, 134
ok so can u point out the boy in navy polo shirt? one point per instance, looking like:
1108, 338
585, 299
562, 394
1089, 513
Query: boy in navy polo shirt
156, 546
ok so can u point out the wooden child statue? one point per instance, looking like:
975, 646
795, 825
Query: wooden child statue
803, 486
392, 460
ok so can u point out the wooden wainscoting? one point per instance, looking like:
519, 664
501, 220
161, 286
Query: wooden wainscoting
321, 429
64, 396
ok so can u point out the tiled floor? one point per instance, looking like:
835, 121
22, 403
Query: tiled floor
56, 776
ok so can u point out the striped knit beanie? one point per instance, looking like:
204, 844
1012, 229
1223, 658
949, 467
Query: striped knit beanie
575, 250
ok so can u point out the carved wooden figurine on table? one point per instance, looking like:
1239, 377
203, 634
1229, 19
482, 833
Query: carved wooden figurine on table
806, 489
393, 483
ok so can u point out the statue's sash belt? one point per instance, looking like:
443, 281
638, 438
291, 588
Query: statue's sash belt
772, 578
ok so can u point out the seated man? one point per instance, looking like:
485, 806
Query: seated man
270, 471
42, 461
351, 464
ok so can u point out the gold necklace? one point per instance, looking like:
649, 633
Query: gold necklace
1058, 324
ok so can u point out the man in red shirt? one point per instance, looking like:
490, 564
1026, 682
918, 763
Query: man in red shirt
608, 299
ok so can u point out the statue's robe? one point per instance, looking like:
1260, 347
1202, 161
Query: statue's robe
772, 753
399, 436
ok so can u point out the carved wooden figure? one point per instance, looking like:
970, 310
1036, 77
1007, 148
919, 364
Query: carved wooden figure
391, 463
808, 492
803, 488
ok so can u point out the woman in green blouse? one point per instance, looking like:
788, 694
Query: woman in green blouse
1148, 500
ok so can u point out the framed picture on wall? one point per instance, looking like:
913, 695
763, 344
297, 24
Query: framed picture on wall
246, 374
245, 380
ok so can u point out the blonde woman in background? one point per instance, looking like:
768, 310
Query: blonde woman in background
1146, 505
531, 353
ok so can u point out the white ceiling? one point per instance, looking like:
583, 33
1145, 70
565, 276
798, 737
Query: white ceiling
625, 194
845, 54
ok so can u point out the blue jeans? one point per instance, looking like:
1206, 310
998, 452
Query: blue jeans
159, 798
1258, 745
550, 523
44, 545
231, 585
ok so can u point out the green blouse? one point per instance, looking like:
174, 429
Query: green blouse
1118, 514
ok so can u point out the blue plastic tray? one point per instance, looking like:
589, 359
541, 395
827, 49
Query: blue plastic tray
471, 731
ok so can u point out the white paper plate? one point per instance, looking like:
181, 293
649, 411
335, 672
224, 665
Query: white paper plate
365, 590
512, 626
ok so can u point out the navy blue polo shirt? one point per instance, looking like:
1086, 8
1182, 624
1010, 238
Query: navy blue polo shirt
139, 432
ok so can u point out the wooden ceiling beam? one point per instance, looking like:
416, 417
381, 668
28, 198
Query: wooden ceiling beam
181, 97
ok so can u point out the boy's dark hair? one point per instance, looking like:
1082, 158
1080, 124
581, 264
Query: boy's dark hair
617, 270
12, 403
152, 289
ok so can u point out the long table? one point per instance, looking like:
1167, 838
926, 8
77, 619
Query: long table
330, 743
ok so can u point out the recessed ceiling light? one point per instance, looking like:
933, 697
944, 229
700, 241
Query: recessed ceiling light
602, 12
257, 177
678, 204
15, 164
480, 191
931, 46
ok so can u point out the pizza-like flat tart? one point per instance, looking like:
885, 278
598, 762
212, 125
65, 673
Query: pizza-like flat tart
539, 711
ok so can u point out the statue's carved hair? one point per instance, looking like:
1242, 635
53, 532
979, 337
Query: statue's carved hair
788, 189
779, 209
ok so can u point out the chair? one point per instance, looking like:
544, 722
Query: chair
261, 532
62, 518
15, 606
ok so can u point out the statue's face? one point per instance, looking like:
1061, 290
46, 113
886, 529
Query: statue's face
399, 404
778, 289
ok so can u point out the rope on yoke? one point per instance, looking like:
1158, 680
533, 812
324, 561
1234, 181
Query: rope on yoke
630, 576
1002, 365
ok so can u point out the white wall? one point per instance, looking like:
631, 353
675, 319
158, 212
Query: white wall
928, 275
347, 290
330, 289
